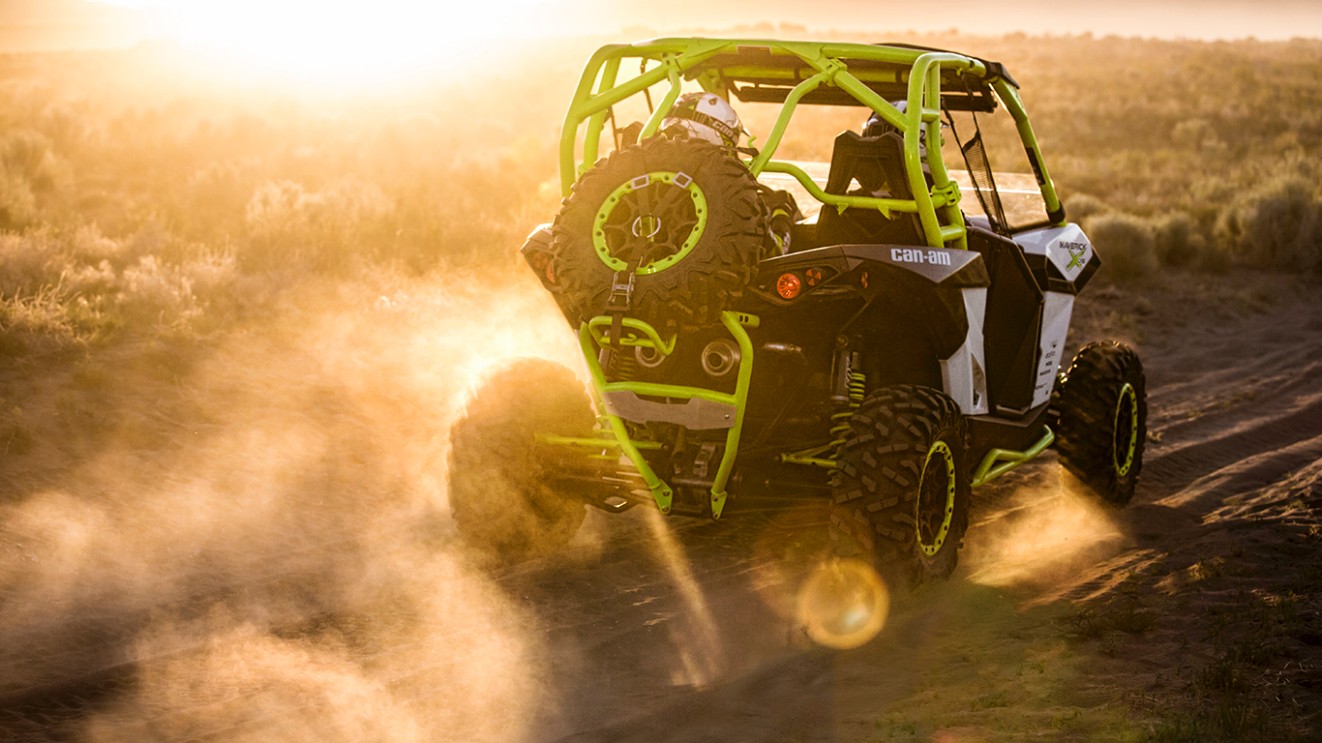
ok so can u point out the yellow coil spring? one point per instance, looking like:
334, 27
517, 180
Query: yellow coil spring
840, 419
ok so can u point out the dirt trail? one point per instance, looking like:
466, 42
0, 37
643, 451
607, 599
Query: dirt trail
1194, 614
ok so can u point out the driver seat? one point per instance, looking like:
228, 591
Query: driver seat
868, 166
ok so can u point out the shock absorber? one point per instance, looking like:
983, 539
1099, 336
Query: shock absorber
855, 387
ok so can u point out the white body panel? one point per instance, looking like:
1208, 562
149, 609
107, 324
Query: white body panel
1069, 251
963, 374
1066, 247
1056, 310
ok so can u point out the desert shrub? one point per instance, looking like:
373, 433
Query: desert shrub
84, 280
331, 231
274, 206
63, 289
1080, 207
29, 169
44, 262
350, 205
90, 246
1278, 225
28, 154
1178, 240
278, 226
215, 199
1125, 243
211, 273
40, 322
1197, 134
27, 263
18, 205
153, 293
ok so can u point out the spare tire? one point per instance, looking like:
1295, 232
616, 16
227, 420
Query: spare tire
684, 214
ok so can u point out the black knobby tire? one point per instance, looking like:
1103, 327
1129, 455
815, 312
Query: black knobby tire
501, 494
901, 491
1100, 410
706, 279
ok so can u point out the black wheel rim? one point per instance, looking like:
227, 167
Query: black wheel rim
936, 498
651, 222
1125, 445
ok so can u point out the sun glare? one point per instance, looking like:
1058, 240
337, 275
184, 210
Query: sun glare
330, 43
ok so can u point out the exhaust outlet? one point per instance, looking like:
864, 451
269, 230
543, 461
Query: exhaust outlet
720, 357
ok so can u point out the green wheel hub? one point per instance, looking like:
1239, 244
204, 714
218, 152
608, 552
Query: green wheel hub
1126, 430
936, 498
652, 221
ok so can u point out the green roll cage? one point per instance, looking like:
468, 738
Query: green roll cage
795, 72
789, 73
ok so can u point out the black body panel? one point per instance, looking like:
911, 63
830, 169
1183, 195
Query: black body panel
899, 308
1013, 434
1012, 323
868, 166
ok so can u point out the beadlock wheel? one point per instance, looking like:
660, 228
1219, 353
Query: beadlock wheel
1100, 413
685, 216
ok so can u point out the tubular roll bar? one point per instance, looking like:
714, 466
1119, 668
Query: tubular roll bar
937, 207
594, 335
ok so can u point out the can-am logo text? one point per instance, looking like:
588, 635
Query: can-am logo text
912, 255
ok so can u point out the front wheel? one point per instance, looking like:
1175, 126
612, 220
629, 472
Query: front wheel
1101, 413
901, 491
502, 492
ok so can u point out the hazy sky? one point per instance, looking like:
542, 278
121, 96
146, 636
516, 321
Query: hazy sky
1276, 19
41, 24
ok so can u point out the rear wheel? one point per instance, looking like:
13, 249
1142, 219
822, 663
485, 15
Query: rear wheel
901, 492
1101, 411
502, 492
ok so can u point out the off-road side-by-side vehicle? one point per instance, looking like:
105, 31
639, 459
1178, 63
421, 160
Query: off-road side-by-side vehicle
880, 331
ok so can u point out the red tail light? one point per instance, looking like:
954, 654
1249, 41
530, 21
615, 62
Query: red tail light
788, 286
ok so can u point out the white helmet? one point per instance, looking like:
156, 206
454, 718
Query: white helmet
876, 125
706, 116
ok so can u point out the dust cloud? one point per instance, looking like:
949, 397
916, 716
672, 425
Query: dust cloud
1047, 531
264, 543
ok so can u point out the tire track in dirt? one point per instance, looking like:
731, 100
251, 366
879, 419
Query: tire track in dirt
1246, 404
1172, 471
1237, 409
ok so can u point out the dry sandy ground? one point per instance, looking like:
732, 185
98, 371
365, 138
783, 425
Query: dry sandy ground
257, 551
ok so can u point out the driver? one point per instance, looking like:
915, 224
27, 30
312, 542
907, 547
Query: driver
711, 118
876, 126
705, 116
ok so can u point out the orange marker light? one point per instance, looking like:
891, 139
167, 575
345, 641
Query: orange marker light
788, 286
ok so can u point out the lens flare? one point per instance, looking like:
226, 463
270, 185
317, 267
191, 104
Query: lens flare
843, 604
